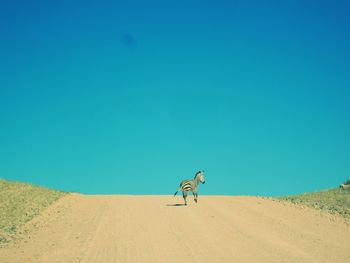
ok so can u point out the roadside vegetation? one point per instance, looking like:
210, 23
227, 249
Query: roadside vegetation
19, 203
335, 201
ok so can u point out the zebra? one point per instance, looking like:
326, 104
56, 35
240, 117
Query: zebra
344, 186
191, 185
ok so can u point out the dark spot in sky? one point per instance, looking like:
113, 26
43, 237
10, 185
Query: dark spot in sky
128, 40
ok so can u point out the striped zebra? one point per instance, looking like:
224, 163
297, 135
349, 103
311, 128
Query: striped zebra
191, 185
344, 186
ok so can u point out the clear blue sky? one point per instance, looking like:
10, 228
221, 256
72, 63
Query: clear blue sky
134, 96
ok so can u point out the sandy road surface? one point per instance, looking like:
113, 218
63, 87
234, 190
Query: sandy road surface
81, 228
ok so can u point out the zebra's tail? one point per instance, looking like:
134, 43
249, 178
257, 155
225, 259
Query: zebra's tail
177, 191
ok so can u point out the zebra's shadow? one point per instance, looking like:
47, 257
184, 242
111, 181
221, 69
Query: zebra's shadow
175, 205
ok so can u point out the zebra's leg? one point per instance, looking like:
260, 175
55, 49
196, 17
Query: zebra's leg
184, 195
195, 195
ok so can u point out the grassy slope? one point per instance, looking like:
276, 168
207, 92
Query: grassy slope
334, 201
19, 203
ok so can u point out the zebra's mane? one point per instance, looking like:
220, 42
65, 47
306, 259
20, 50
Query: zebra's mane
197, 173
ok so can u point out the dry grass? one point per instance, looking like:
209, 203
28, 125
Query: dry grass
19, 203
335, 201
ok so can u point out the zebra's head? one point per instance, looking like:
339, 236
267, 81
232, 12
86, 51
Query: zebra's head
200, 175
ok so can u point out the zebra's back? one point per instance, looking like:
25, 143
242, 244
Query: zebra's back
187, 185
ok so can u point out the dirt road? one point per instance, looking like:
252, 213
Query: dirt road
83, 228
